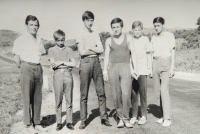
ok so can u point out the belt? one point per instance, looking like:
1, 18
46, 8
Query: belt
63, 69
30, 63
83, 57
160, 58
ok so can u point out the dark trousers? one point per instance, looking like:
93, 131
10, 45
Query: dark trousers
63, 85
91, 68
139, 87
120, 84
31, 79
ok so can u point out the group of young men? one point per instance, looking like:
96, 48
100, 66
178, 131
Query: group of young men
127, 62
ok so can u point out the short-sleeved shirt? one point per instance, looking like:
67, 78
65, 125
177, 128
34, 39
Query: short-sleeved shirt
142, 46
28, 48
58, 54
88, 39
163, 44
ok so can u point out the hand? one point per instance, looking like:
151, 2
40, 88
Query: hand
150, 73
105, 75
57, 64
171, 73
134, 74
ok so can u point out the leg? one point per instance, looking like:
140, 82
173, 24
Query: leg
116, 88
99, 86
85, 79
126, 86
68, 90
26, 80
134, 98
143, 94
165, 94
37, 98
58, 91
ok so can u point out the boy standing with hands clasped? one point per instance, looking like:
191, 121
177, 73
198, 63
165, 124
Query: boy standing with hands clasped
62, 62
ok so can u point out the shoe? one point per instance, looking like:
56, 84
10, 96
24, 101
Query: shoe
70, 126
82, 125
120, 124
40, 128
58, 127
142, 120
105, 122
167, 123
128, 125
159, 121
31, 130
133, 120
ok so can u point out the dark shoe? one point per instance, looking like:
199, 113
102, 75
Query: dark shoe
105, 122
59, 127
82, 125
70, 126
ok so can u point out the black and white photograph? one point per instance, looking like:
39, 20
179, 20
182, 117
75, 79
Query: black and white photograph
99, 67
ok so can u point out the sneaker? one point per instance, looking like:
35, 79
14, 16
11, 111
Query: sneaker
120, 124
31, 130
128, 125
133, 120
40, 128
159, 121
167, 123
142, 120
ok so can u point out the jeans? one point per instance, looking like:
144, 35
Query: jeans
31, 80
139, 86
91, 68
63, 85
161, 67
120, 84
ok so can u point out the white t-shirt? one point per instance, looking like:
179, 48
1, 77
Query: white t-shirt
142, 46
163, 44
28, 48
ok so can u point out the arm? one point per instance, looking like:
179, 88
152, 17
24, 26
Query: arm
99, 46
82, 50
172, 47
72, 63
133, 56
106, 59
17, 60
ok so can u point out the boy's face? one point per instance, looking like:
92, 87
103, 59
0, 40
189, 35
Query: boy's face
158, 27
60, 41
88, 23
117, 28
32, 26
137, 31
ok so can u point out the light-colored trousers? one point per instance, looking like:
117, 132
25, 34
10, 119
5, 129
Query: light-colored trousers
161, 68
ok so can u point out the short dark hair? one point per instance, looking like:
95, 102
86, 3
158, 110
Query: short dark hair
87, 15
136, 24
57, 34
117, 20
159, 20
33, 18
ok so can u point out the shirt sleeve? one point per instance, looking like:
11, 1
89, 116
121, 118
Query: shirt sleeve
17, 46
172, 41
98, 40
41, 48
148, 45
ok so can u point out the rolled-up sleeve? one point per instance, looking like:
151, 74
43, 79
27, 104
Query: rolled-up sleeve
172, 41
17, 47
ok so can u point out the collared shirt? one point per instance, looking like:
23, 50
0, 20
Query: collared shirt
163, 44
28, 48
60, 54
142, 46
88, 39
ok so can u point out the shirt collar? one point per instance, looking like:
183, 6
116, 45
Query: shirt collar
86, 30
162, 33
60, 48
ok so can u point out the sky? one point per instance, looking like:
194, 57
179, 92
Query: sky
67, 14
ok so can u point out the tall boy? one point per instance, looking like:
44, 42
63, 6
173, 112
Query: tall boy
90, 47
62, 62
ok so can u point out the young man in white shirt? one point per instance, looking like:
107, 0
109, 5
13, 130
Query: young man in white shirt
28, 49
163, 67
